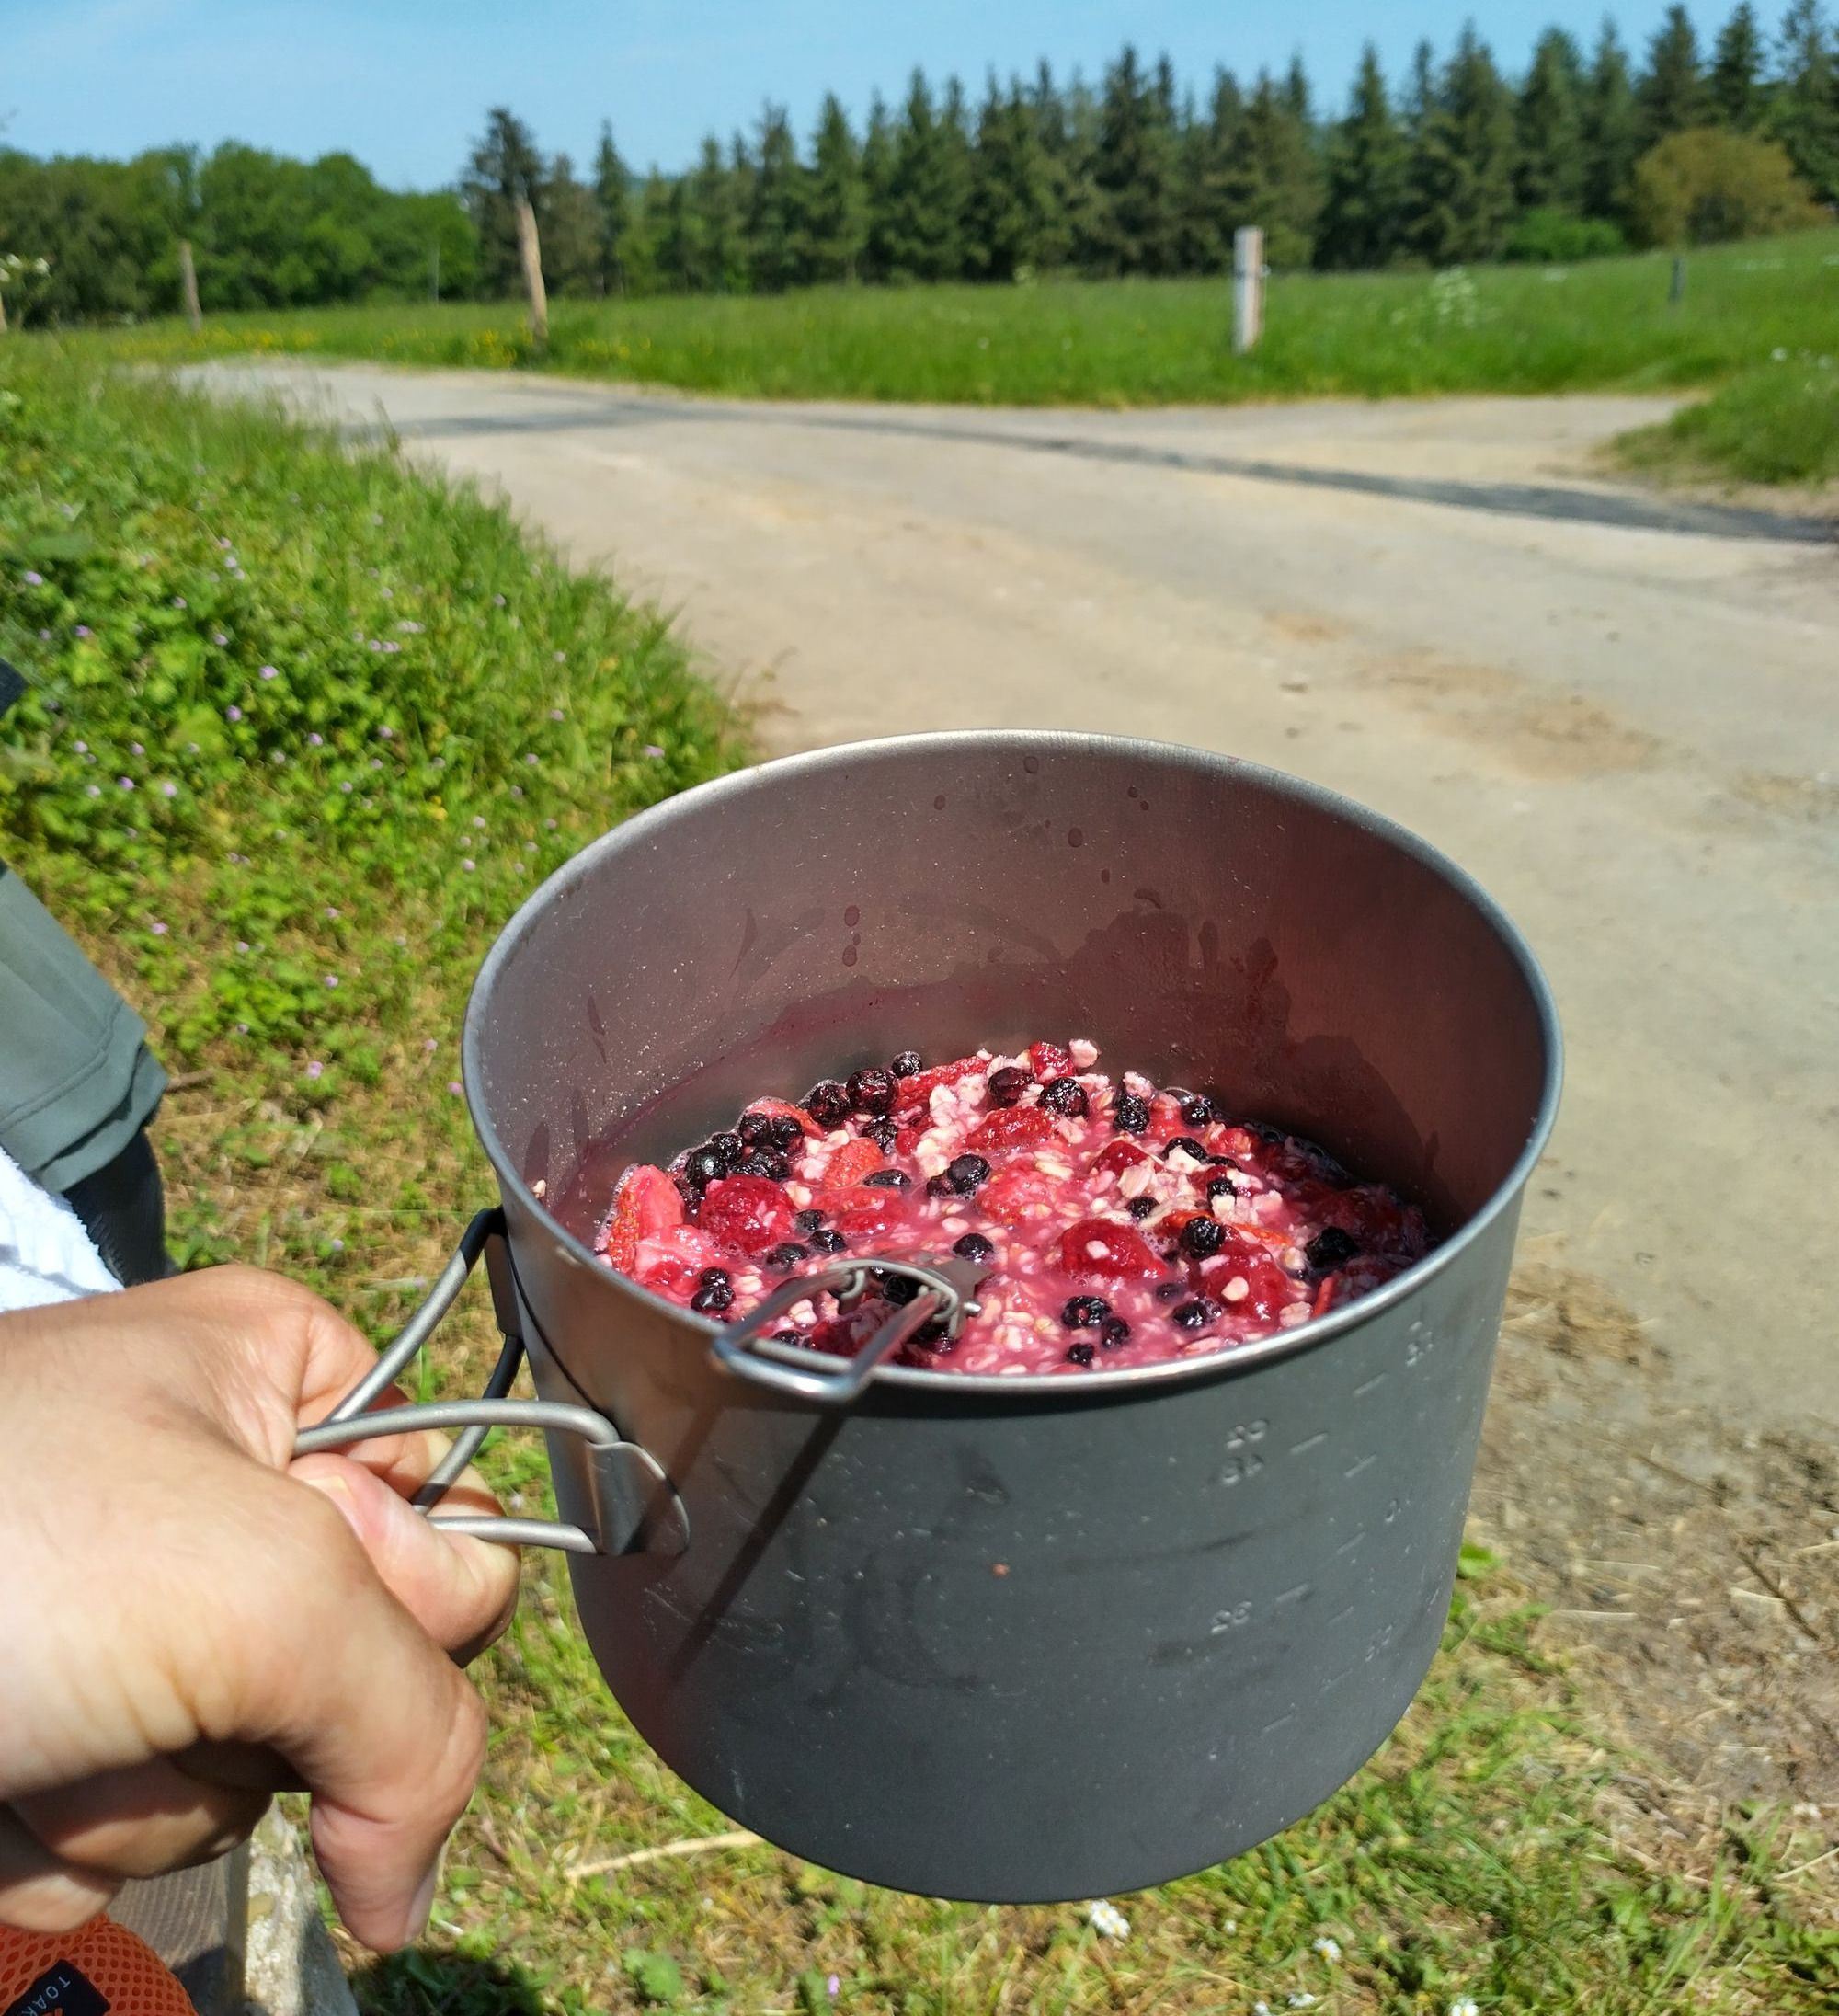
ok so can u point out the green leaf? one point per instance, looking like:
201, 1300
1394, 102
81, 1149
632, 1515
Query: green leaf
656, 1978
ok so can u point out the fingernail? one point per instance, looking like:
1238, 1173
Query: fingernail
422, 1908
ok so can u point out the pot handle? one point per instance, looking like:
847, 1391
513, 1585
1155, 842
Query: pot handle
632, 1507
947, 1291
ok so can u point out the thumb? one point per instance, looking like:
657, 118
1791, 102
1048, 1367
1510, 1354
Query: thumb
459, 1589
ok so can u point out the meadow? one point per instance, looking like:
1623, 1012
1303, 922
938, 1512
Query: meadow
304, 726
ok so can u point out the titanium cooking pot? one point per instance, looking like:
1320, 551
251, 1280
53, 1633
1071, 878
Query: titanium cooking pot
1019, 1639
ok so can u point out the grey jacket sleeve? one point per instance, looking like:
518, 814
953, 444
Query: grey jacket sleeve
77, 1081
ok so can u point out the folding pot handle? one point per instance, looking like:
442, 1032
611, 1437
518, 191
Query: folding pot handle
630, 1506
947, 1290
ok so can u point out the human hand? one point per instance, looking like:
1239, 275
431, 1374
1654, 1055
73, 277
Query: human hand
190, 1620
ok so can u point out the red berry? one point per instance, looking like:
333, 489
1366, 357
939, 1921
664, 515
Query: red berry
645, 1202
1096, 1250
1012, 1126
751, 1213
851, 1164
1049, 1060
1117, 1155
916, 1090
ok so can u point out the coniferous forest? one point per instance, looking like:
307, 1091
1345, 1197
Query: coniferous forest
1139, 172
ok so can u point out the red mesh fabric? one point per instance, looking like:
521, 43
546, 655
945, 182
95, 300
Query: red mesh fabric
122, 1970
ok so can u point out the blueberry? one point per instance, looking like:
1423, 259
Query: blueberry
1202, 1237
773, 1167
1085, 1312
713, 1277
787, 1254
1199, 1111
1331, 1248
974, 1247
771, 1134
1007, 1085
702, 1167
930, 1337
711, 1301
790, 1336
823, 1241
1081, 1354
1141, 1207
966, 1173
897, 1289
907, 1065
940, 1186
1129, 1115
871, 1089
1219, 1186
1113, 1331
807, 1221
1196, 1314
1065, 1096
883, 1133
827, 1104
1187, 1145
888, 1179
729, 1147
1171, 1292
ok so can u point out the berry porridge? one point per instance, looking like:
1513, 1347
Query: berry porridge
1117, 1223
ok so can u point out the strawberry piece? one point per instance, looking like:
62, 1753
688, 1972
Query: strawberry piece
1012, 1126
779, 1109
918, 1090
1096, 1250
1166, 1121
670, 1263
645, 1203
867, 1213
1016, 1196
1049, 1060
1116, 1156
751, 1213
1269, 1287
849, 1164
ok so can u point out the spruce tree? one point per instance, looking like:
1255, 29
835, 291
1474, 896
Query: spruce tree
1275, 179
1047, 114
1736, 83
1671, 94
1549, 121
709, 247
955, 176
1363, 221
1011, 213
571, 232
613, 207
1084, 207
1135, 167
1611, 140
1207, 198
1467, 159
642, 269
504, 169
878, 157
1804, 114
778, 256
925, 194
836, 197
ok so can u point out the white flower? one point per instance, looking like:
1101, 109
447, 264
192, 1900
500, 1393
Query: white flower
1107, 1921
1464, 2005
1327, 1949
1302, 1998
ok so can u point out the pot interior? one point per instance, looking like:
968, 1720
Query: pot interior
1211, 924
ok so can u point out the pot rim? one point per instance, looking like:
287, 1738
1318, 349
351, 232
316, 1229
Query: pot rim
646, 827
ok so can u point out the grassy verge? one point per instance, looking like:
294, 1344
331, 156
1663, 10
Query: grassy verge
1777, 424
1606, 323
381, 715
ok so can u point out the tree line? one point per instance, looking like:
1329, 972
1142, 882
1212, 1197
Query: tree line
1137, 174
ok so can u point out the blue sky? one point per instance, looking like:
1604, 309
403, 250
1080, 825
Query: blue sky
402, 83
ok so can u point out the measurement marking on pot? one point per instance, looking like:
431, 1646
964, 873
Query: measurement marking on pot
1364, 1462
1300, 1449
1291, 1596
1347, 1546
1271, 1726
1241, 1468
1346, 1610
1230, 1620
1378, 1378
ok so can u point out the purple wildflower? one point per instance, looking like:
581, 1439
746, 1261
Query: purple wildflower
241, 944
92, 790
332, 980
82, 630
386, 732
127, 783
137, 749
455, 1087
555, 713
430, 1043
467, 865
232, 713
159, 929
34, 578
653, 750
315, 741
178, 602
82, 747
478, 821
315, 1069
217, 637
268, 673
833, 1985
242, 1028
168, 789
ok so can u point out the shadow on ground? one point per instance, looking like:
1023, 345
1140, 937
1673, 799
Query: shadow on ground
419, 1984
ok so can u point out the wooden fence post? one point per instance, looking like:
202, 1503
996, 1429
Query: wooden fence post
188, 281
532, 277
1248, 287
1676, 287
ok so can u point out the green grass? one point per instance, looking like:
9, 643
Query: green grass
1777, 424
1494, 1850
1503, 328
